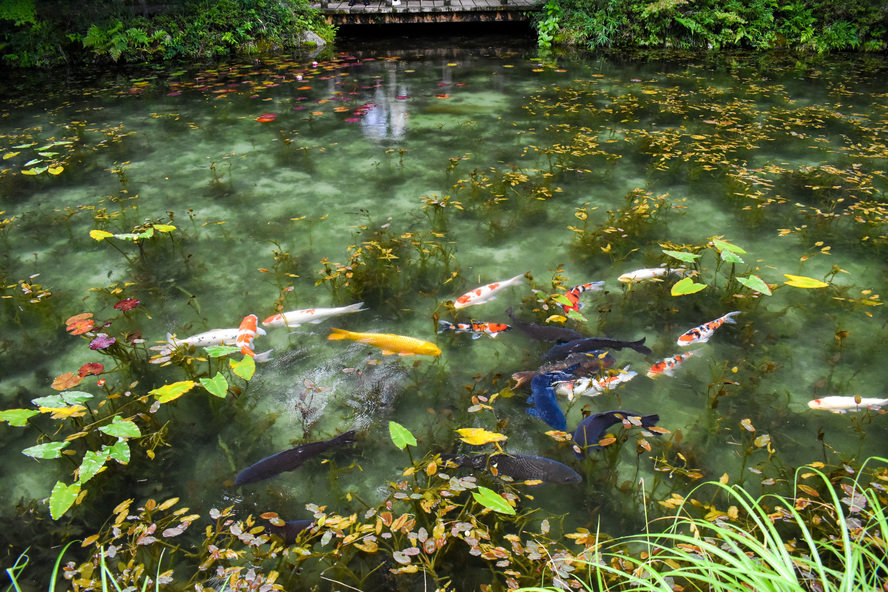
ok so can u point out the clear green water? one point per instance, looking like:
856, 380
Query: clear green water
521, 143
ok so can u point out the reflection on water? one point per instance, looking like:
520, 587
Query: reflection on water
406, 178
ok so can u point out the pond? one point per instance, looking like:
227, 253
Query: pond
150, 204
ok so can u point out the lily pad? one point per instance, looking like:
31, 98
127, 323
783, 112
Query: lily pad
62, 498
123, 428
686, 286
800, 281
401, 436
682, 256
217, 385
17, 417
492, 500
755, 283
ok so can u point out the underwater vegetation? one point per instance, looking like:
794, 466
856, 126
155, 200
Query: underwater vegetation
285, 325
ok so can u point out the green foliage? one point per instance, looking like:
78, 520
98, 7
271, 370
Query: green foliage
715, 24
45, 33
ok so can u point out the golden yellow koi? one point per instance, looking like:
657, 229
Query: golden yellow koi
388, 343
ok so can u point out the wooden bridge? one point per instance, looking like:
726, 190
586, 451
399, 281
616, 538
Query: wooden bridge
426, 11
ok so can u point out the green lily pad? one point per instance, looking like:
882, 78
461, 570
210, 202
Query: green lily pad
121, 429
48, 450
17, 417
62, 498
492, 500
686, 286
217, 385
755, 283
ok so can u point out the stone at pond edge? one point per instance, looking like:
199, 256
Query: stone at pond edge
311, 39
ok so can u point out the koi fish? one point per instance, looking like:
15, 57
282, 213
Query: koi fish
843, 404
294, 318
519, 467
543, 332
475, 328
702, 333
486, 293
574, 295
245, 334
388, 343
588, 434
542, 397
651, 273
583, 364
289, 460
595, 343
592, 387
667, 365
209, 339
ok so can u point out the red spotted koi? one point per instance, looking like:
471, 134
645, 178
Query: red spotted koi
574, 295
245, 334
486, 293
702, 333
475, 328
666, 366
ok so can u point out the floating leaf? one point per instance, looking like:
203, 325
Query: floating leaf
561, 299
65, 412
93, 368
66, 381
747, 425
102, 341
100, 234
55, 170
81, 327
62, 498
17, 417
217, 385
762, 440
163, 227
170, 392
123, 428
479, 437
492, 500
75, 397
48, 450
572, 314
755, 283
119, 452
730, 257
682, 256
92, 462
726, 246
125, 305
800, 281
686, 286
217, 351
9, 155
401, 436
244, 368
556, 319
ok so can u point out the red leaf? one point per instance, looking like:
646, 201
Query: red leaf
128, 304
80, 327
90, 368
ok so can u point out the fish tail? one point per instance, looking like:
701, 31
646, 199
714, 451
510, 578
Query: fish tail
640, 347
650, 421
729, 318
339, 334
263, 357
354, 307
445, 326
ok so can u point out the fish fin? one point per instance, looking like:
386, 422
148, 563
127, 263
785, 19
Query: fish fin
264, 356
476, 335
650, 421
354, 307
445, 326
317, 321
729, 318
337, 334
402, 354
260, 331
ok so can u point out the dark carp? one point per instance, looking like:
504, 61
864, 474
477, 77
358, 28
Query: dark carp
594, 343
520, 467
289, 460
542, 397
591, 429
542, 332
586, 364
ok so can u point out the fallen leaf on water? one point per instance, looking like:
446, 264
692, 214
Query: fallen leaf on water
66, 381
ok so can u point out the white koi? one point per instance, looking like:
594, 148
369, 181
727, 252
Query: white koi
838, 404
486, 293
294, 318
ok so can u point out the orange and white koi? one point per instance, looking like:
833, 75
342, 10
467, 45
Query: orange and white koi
486, 293
574, 295
246, 332
475, 328
388, 343
208, 339
842, 404
666, 366
651, 273
702, 333
294, 318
